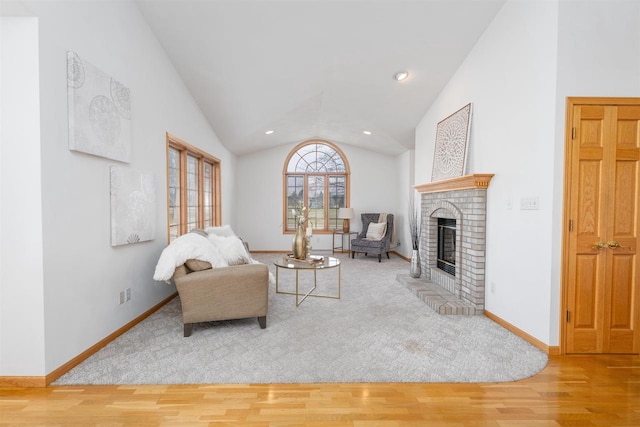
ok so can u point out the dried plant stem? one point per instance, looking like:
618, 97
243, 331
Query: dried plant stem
414, 226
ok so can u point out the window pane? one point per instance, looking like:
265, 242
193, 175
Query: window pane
316, 201
292, 166
174, 193
208, 194
174, 216
192, 165
295, 198
174, 178
192, 198
174, 231
337, 187
192, 192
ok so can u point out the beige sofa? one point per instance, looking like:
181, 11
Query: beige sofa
215, 276
234, 292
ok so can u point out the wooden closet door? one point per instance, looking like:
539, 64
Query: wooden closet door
602, 313
621, 286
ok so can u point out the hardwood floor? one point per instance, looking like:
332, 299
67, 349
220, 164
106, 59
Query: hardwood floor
572, 390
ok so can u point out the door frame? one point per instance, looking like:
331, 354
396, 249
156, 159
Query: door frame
572, 101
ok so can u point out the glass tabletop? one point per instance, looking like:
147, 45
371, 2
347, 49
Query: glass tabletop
313, 263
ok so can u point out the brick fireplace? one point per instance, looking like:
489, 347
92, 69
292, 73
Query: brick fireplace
463, 203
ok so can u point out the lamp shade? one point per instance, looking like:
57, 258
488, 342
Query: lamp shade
345, 213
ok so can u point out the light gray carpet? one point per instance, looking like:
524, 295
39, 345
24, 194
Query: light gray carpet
377, 332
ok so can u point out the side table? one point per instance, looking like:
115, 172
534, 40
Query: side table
342, 234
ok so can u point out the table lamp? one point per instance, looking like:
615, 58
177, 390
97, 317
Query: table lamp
345, 214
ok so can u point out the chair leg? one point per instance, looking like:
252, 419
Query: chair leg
388, 255
188, 328
353, 253
379, 257
262, 320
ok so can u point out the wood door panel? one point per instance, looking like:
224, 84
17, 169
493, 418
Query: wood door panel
619, 342
622, 291
588, 199
591, 111
586, 295
628, 112
625, 200
622, 313
603, 207
591, 131
630, 154
627, 133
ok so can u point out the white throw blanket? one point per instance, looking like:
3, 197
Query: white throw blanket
383, 218
187, 246
196, 246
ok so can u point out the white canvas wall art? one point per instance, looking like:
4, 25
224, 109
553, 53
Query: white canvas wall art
133, 206
99, 110
452, 140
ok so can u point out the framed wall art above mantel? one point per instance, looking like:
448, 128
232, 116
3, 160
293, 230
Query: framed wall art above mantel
452, 141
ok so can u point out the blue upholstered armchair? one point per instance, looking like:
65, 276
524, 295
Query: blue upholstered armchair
369, 246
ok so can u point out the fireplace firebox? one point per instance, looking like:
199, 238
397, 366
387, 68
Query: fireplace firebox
446, 255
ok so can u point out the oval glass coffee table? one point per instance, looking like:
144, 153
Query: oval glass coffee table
315, 263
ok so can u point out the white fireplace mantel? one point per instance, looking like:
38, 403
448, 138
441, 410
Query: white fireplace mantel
478, 180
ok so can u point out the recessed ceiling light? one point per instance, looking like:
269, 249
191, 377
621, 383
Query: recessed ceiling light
269, 132
366, 132
401, 75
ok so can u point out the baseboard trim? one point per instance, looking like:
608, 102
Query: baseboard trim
33, 382
401, 256
23, 382
343, 252
550, 350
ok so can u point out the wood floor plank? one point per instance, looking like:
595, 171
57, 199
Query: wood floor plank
581, 391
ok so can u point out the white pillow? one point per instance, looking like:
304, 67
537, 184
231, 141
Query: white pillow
222, 231
231, 248
376, 230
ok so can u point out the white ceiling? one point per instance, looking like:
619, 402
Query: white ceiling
314, 68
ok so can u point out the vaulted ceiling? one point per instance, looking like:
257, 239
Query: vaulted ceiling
316, 68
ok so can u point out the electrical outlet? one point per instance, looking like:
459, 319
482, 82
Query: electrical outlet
128, 294
122, 297
509, 203
529, 203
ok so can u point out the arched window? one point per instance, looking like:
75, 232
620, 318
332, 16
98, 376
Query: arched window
316, 176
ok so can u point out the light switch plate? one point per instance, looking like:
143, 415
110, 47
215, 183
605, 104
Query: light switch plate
529, 203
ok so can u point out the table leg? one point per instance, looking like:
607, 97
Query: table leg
298, 302
339, 274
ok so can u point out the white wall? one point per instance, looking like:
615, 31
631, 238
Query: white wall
21, 271
83, 274
510, 78
259, 194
